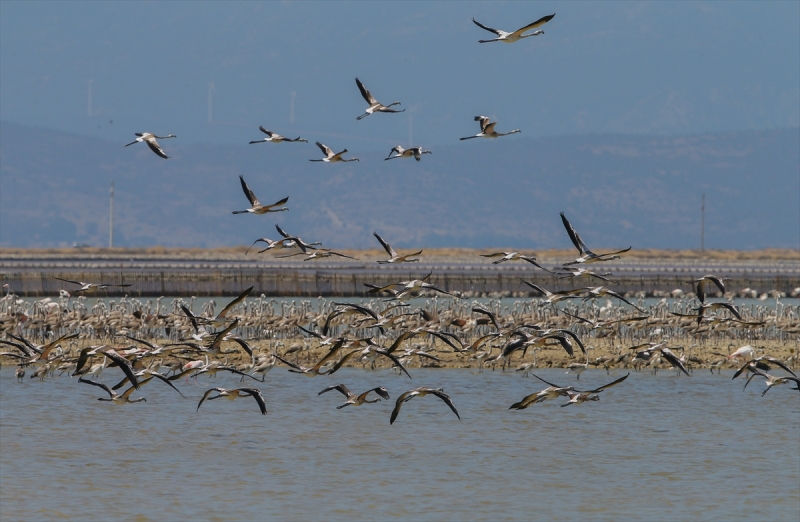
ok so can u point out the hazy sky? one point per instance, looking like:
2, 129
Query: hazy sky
622, 67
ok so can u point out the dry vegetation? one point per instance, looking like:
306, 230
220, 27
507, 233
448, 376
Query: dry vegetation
433, 254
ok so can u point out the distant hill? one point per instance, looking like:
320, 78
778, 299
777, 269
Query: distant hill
617, 190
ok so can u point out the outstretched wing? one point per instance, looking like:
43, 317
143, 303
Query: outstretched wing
484, 122
495, 31
619, 296
280, 230
281, 202
779, 363
256, 394
573, 235
380, 390
538, 23
288, 363
365, 93
265, 131
206, 394
155, 147
342, 361
546, 382
395, 360
534, 263
190, 315
69, 281
98, 384
241, 342
398, 404
537, 288
325, 149
732, 309
234, 303
609, 385
124, 365
341, 388
386, 246
673, 360
358, 308
249, 193
447, 400
717, 281
487, 313
220, 336
165, 380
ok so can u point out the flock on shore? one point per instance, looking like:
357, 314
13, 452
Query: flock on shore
170, 343
167, 344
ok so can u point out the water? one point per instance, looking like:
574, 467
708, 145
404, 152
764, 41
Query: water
654, 447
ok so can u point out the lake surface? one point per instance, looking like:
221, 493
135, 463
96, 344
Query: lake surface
653, 448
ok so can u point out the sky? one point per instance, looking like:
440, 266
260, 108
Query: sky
214, 71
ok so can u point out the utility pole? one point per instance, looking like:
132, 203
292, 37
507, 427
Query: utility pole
111, 218
703, 225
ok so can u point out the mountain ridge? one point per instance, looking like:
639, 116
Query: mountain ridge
617, 190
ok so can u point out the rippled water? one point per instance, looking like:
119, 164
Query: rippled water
654, 447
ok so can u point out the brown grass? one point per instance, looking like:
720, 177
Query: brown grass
439, 254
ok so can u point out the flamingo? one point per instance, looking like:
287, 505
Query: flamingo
357, 400
330, 157
487, 129
235, 394
374, 105
505, 37
150, 139
400, 152
274, 137
421, 392
393, 256
255, 206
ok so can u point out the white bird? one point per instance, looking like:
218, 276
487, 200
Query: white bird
270, 244
400, 152
514, 256
235, 394
114, 397
554, 297
90, 287
356, 400
150, 139
487, 129
394, 257
772, 380
583, 272
551, 392
318, 253
255, 206
578, 368
701, 282
602, 291
421, 392
274, 137
744, 353
503, 36
587, 256
330, 157
374, 105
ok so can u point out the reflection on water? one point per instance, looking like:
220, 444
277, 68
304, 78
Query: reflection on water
654, 447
